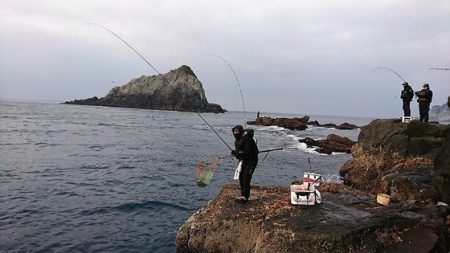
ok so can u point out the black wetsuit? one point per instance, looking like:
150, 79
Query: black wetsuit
247, 152
407, 95
424, 99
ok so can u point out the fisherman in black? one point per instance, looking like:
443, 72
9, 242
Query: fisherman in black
424, 98
407, 95
247, 152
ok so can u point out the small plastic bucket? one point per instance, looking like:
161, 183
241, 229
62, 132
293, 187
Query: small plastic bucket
383, 199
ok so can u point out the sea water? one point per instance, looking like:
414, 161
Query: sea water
103, 179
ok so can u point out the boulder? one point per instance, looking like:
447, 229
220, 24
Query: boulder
178, 90
347, 221
407, 161
288, 123
333, 143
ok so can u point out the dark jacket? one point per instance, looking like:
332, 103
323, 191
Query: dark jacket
407, 93
246, 148
424, 96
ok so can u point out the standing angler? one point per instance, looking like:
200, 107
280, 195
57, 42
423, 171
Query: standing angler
407, 95
424, 98
247, 152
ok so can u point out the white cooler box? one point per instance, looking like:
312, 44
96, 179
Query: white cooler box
304, 194
406, 119
313, 178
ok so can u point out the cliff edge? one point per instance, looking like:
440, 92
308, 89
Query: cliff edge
408, 161
177, 90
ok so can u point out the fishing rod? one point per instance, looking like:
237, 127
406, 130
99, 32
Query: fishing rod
384, 67
234, 74
270, 150
142, 57
126, 43
214, 131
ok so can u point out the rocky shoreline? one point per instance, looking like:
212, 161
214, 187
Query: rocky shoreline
409, 162
298, 123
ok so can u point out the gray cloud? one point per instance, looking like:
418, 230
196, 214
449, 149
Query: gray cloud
311, 57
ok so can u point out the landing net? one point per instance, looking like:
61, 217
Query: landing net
204, 171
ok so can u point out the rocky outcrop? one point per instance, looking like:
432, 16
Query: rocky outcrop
406, 161
298, 123
343, 126
288, 123
348, 220
178, 90
333, 143
440, 112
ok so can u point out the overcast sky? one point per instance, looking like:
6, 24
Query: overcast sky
303, 56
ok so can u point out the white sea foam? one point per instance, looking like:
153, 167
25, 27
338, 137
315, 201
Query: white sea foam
332, 178
302, 146
273, 128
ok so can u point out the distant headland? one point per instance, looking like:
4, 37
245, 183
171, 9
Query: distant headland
177, 90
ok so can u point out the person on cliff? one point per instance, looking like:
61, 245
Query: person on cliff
424, 98
407, 95
247, 152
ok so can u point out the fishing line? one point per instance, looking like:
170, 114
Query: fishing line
383, 67
142, 57
126, 43
234, 74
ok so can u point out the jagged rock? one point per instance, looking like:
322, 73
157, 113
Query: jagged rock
333, 143
346, 221
292, 124
407, 161
298, 123
178, 90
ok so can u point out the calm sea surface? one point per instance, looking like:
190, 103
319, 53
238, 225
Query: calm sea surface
102, 179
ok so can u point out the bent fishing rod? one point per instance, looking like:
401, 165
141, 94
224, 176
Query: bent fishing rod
126, 43
384, 67
234, 74
148, 63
